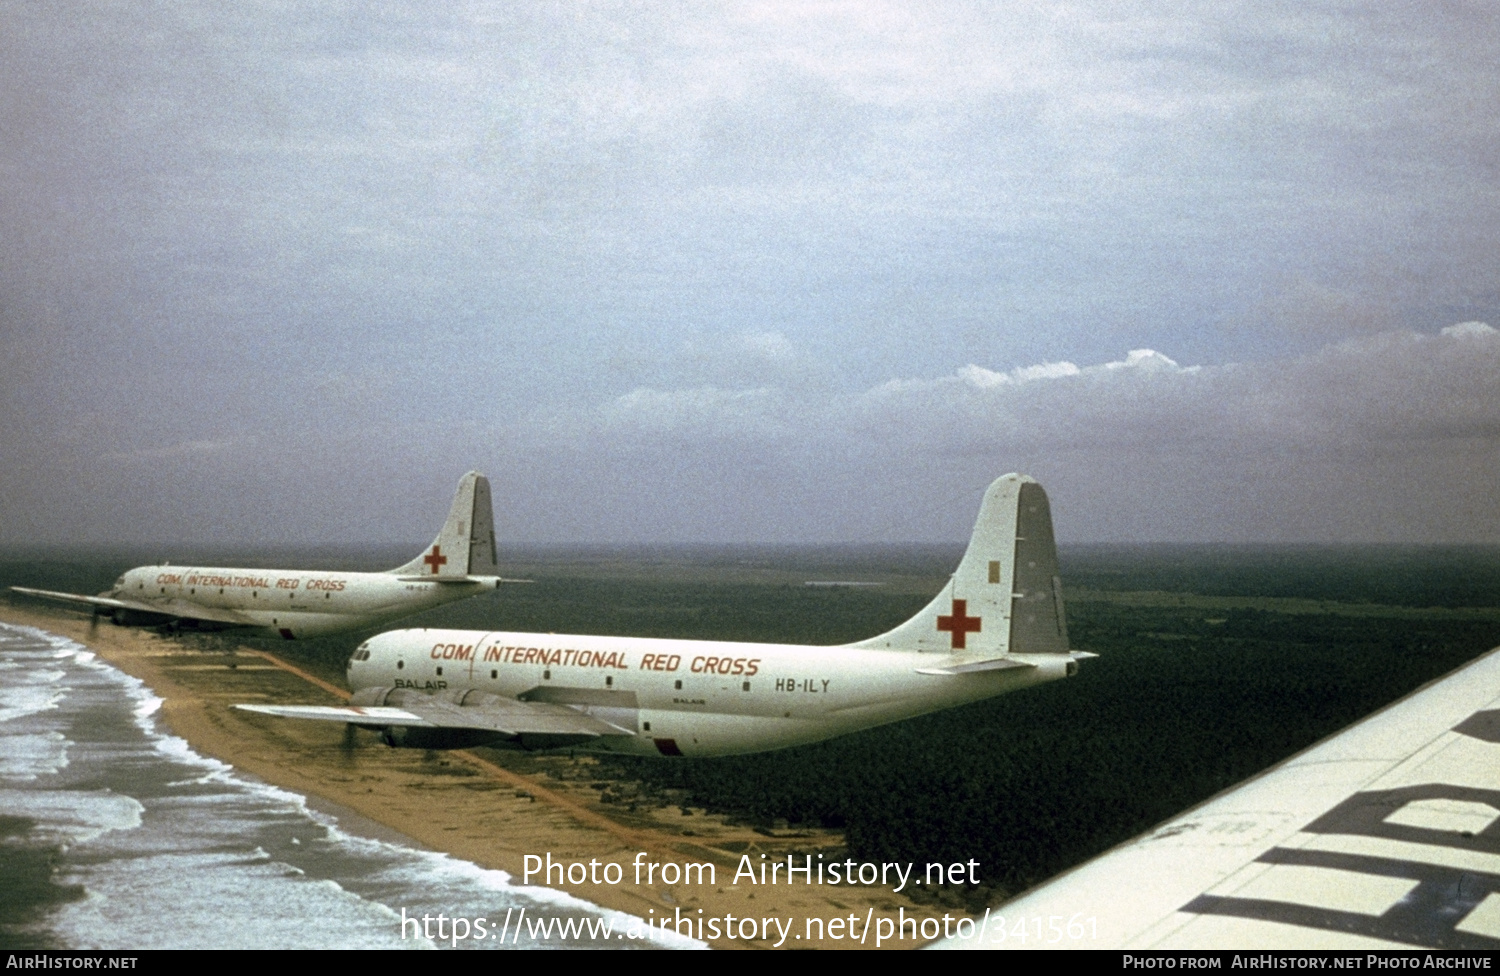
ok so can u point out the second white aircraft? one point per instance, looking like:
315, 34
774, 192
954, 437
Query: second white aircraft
298, 603
997, 626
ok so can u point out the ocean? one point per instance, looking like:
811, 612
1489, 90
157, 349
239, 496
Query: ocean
114, 834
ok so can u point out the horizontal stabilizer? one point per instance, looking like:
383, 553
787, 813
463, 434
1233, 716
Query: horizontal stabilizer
970, 667
486, 580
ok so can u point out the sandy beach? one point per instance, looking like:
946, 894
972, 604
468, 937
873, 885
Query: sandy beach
494, 808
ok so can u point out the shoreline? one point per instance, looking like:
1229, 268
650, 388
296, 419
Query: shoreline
491, 809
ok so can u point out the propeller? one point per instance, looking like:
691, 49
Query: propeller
93, 623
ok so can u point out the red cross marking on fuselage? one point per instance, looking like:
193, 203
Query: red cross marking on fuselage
960, 624
436, 559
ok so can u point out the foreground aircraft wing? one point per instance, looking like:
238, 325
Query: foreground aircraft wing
170, 609
1386, 835
505, 716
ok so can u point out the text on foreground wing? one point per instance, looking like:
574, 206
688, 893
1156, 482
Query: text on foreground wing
1384, 835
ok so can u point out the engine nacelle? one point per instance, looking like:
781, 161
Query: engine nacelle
417, 737
408, 737
405, 697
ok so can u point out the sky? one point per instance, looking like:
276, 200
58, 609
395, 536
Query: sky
277, 273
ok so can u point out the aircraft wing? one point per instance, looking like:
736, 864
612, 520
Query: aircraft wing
1386, 835
502, 715
171, 609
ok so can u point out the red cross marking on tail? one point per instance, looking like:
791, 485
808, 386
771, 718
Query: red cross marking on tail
959, 624
436, 559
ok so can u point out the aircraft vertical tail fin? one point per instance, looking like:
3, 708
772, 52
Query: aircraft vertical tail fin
466, 545
1006, 595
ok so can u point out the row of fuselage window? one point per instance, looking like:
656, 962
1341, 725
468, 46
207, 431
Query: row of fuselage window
254, 594
609, 679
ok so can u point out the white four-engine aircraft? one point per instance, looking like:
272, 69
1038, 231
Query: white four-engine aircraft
300, 603
997, 626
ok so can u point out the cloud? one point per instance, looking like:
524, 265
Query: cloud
1472, 329
982, 379
1320, 442
703, 411
180, 451
1358, 394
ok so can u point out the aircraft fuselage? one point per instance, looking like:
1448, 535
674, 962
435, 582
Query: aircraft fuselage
684, 697
293, 603
290, 603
